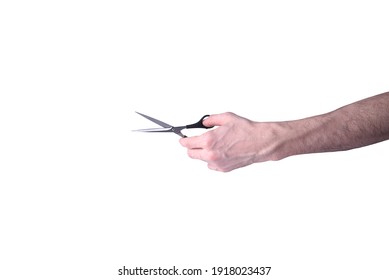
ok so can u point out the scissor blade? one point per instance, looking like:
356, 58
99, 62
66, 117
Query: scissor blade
161, 123
162, 129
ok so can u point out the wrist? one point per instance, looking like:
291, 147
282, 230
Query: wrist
285, 140
273, 140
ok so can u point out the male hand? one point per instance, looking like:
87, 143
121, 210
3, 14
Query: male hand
237, 142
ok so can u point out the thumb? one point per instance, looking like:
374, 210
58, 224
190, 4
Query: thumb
219, 119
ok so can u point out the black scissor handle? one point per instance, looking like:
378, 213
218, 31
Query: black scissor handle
199, 124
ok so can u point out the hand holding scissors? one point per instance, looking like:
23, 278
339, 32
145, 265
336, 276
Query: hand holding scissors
169, 128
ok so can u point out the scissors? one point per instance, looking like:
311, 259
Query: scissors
169, 128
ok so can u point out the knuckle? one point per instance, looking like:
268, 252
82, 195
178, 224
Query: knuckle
208, 140
212, 167
229, 115
190, 153
213, 156
218, 168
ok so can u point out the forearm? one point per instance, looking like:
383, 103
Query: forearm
359, 124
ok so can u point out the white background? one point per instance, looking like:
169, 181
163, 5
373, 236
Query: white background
81, 195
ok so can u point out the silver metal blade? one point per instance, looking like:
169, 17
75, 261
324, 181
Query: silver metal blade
161, 123
161, 129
